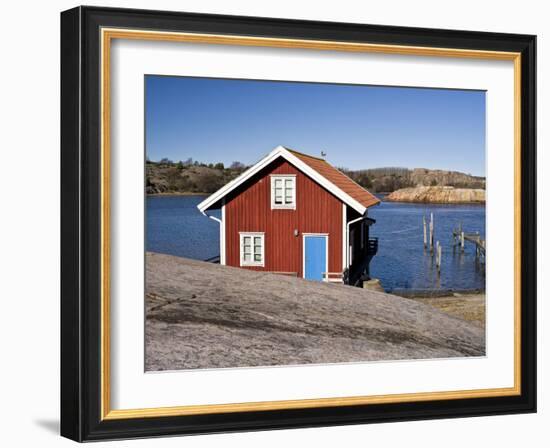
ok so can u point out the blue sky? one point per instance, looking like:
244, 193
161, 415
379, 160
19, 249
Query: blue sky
222, 120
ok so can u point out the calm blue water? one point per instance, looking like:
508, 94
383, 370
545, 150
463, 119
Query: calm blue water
176, 227
402, 263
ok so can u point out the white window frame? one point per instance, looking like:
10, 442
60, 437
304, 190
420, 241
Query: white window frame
284, 178
252, 235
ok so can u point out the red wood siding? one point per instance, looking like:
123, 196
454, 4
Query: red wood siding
317, 211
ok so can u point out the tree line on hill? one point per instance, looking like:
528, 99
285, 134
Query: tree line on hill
192, 176
389, 179
189, 176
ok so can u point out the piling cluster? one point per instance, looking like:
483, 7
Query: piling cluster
459, 239
434, 249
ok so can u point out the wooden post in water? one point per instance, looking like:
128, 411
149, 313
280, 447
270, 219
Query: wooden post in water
431, 232
462, 241
425, 238
438, 258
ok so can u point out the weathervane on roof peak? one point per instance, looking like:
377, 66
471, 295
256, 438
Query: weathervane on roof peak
323, 154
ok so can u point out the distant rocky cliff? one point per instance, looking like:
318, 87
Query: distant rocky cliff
444, 195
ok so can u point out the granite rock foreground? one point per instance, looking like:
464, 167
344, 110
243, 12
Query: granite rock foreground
203, 315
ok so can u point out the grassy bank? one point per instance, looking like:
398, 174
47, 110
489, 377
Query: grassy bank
470, 307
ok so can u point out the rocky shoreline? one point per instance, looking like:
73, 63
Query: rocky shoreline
438, 195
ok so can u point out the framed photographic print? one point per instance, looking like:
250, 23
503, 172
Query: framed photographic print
273, 223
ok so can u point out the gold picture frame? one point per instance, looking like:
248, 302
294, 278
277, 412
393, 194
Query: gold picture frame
108, 30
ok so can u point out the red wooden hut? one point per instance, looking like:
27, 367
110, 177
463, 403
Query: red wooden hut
295, 214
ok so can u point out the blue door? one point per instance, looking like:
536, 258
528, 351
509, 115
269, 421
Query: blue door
315, 263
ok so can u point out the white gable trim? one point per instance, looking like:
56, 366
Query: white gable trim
281, 151
230, 186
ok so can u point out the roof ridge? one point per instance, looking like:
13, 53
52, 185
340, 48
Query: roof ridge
352, 195
344, 177
331, 165
305, 155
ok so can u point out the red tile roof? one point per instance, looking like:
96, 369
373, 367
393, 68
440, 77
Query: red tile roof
347, 185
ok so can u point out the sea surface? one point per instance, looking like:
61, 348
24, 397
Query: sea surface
176, 227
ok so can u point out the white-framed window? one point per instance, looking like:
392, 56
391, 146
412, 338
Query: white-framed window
252, 248
283, 191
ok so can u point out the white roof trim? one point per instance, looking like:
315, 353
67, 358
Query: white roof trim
281, 151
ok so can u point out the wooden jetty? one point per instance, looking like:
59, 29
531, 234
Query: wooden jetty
460, 238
